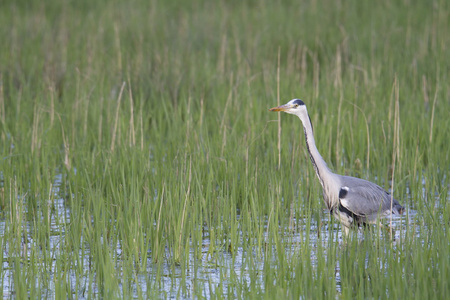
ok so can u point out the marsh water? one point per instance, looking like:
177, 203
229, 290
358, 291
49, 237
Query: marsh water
209, 272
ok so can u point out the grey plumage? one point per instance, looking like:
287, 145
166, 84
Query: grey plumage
353, 201
366, 200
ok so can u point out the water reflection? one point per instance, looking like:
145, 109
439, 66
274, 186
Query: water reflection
211, 274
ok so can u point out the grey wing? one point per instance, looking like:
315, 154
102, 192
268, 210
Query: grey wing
364, 198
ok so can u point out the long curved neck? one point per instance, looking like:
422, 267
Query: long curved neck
322, 171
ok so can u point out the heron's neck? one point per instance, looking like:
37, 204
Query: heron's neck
322, 171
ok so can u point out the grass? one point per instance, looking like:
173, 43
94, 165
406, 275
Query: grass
138, 158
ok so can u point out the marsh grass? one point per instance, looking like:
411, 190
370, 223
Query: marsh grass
138, 158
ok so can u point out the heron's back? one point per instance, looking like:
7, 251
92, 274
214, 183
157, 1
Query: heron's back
367, 199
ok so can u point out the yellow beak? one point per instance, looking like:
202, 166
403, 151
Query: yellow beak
280, 108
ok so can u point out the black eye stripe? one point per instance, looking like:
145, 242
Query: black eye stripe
298, 102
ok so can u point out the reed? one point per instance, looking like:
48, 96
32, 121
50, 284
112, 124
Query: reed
138, 158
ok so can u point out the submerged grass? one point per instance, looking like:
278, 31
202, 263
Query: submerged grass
138, 158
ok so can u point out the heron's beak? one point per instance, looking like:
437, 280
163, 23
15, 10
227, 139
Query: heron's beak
284, 107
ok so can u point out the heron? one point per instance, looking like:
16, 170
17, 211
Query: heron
355, 202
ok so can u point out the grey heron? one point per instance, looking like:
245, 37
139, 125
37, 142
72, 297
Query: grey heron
353, 201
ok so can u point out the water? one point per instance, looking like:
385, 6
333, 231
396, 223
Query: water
211, 272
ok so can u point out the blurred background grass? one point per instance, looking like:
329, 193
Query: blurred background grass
150, 118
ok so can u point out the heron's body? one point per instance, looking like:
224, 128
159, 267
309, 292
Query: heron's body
353, 201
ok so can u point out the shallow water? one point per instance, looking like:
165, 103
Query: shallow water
210, 273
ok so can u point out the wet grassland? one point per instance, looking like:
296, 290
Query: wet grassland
138, 158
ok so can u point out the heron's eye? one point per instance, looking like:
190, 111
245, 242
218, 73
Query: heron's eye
295, 105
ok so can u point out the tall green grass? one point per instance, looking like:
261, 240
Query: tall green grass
138, 158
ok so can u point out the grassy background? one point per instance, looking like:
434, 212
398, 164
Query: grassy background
138, 155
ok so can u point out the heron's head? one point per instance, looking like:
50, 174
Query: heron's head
295, 107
